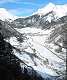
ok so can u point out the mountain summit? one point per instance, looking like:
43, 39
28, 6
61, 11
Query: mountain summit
58, 10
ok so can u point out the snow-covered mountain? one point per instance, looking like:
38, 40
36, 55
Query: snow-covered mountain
42, 45
50, 14
58, 10
6, 15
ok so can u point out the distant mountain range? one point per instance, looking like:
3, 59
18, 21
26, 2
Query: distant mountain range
53, 10
45, 17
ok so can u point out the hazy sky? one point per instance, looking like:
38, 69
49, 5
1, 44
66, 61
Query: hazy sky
26, 7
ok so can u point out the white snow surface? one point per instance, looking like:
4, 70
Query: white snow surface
6, 15
46, 62
59, 10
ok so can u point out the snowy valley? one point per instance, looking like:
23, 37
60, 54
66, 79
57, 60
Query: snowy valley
39, 40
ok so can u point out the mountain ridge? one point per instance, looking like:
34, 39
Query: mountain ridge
58, 11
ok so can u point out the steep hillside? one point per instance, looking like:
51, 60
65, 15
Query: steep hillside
39, 22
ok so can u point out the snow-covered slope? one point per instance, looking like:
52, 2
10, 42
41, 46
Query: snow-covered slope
58, 10
39, 49
6, 15
37, 54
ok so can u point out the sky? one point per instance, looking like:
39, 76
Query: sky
26, 7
